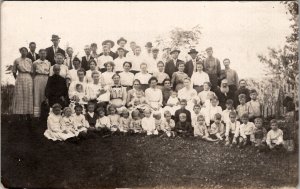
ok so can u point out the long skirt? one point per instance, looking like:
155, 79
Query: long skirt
40, 82
23, 94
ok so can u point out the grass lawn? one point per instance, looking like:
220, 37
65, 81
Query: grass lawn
29, 160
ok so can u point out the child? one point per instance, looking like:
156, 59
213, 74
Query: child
275, 136
260, 134
103, 122
148, 122
183, 104
211, 110
183, 127
246, 131
139, 101
90, 116
254, 106
80, 94
125, 121
200, 129
168, 124
178, 77
206, 95
114, 118
158, 123
242, 108
54, 130
136, 123
173, 103
217, 129
195, 113
67, 123
80, 124
229, 108
232, 129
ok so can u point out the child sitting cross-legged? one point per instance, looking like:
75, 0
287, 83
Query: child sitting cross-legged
217, 129
259, 135
183, 128
136, 122
103, 122
246, 131
125, 121
232, 129
275, 137
80, 123
148, 123
168, 124
200, 129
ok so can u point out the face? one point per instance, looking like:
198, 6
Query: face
175, 55
182, 117
121, 53
32, 47
56, 70
92, 66
158, 116
132, 46
242, 100
274, 126
160, 67
135, 116
136, 85
144, 68
105, 49
147, 113
182, 105
109, 67
43, 55
80, 74
69, 51
206, 87
56, 111
217, 121
87, 51
138, 94
96, 78
253, 96
68, 113
167, 84
226, 63
187, 83
76, 64
193, 55
109, 45
155, 54
242, 84
59, 59
126, 67
197, 109
201, 121
244, 120
24, 52
214, 102
91, 108
148, 49
79, 88
94, 48
101, 113
209, 53
199, 67
258, 123
153, 83
112, 110
174, 94
55, 42
137, 51
122, 43
78, 111
116, 79
168, 116
126, 114
181, 67
229, 106
232, 118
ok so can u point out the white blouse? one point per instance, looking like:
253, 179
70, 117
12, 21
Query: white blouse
199, 78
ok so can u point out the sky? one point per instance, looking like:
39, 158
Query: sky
236, 30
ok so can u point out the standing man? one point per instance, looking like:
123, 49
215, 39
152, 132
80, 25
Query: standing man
148, 52
190, 65
212, 67
172, 65
32, 55
122, 42
231, 76
85, 59
131, 53
110, 44
51, 51
152, 62
69, 58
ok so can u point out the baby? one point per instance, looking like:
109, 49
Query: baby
103, 122
200, 129
158, 123
114, 118
136, 123
148, 122
139, 101
168, 124
173, 103
125, 121
80, 124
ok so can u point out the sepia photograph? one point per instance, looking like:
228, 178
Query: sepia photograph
165, 94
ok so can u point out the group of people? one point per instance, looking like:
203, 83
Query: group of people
139, 91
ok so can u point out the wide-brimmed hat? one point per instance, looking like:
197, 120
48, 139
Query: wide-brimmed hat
55, 37
166, 48
193, 51
175, 50
120, 48
121, 39
148, 44
108, 41
155, 49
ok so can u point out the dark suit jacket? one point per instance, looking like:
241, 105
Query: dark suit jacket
29, 55
56, 87
170, 67
50, 54
189, 68
85, 64
112, 54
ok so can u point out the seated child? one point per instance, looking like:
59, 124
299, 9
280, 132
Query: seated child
158, 123
183, 127
200, 129
125, 121
80, 124
242, 108
259, 134
254, 106
275, 136
136, 123
139, 101
54, 129
232, 129
173, 103
217, 129
168, 124
114, 118
103, 122
206, 95
225, 113
246, 131
195, 113
211, 110
67, 122
90, 116
183, 104
148, 122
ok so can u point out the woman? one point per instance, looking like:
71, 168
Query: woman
106, 78
23, 91
93, 66
126, 76
132, 93
118, 94
199, 78
154, 95
41, 69
189, 94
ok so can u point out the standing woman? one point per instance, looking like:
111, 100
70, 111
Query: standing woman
23, 92
41, 69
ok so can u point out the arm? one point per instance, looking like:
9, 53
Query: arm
173, 79
14, 69
227, 131
268, 140
124, 96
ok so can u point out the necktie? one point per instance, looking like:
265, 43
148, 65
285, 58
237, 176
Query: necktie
70, 64
33, 55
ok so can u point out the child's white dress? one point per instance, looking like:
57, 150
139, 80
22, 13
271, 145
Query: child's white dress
114, 122
124, 124
80, 123
148, 125
174, 101
103, 122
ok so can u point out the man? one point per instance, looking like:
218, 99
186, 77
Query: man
119, 61
148, 52
131, 53
231, 76
51, 51
212, 67
241, 90
94, 48
224, 93
122, 42
152, 62
136, 60
56, 90
85, 59
190, 65
32, 55
110, 44
172, 65
69, 58
104, 57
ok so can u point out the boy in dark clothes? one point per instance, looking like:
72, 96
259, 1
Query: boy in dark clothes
183, 104
91, 116
183, 127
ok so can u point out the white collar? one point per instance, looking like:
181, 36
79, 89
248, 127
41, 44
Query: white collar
91, 114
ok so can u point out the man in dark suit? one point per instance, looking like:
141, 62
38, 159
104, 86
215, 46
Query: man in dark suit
31, 54
190, 66
85, 59
172, 65
212, 67
122, 42
54, 49
110, 45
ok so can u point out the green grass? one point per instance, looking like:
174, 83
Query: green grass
29, 160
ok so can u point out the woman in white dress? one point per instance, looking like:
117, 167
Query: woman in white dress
154, 95
189, 94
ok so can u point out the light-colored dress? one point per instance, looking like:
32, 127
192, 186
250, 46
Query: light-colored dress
103, 122
106, 78
148, 125
124, 124
41, 69
173, 101
64, 71
23, 91
80, 123
114, 122
154, 97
